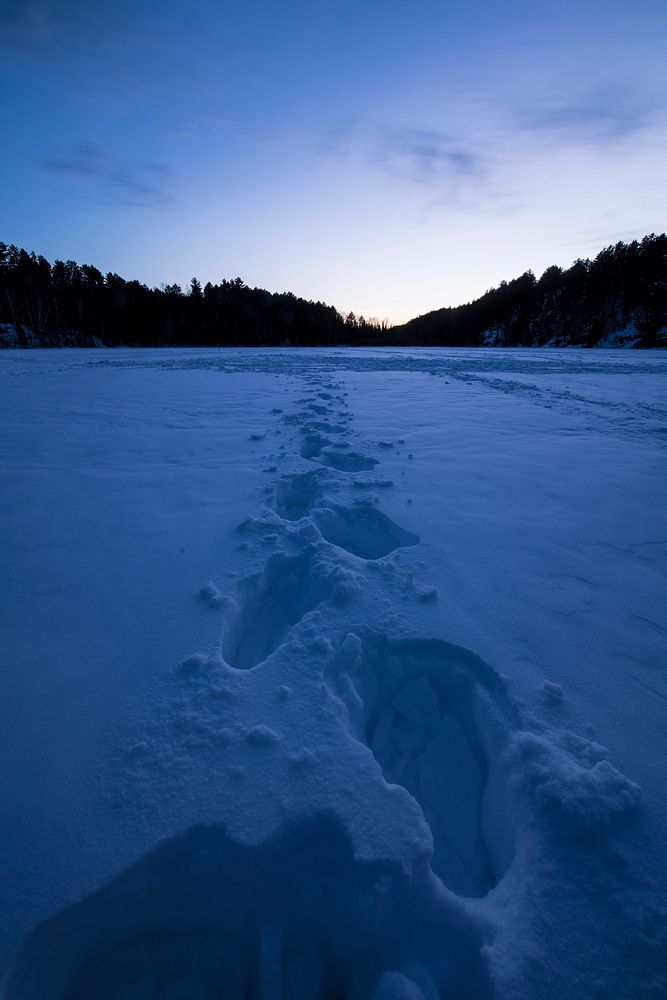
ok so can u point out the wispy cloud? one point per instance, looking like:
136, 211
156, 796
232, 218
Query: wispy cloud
602, 116
431, 169
113, 179
423, 156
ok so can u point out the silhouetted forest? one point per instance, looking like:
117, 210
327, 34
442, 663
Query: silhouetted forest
623, 292
620, 295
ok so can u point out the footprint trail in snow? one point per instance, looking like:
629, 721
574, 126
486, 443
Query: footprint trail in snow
369, 797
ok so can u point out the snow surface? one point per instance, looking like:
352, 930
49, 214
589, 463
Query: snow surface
333, 673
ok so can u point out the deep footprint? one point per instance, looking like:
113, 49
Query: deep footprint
362, 530
296, 494
313, 445
325, 428
430, 713
350, 462
296, 917
273, 601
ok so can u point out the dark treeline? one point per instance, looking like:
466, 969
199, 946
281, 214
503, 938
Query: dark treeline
67, 303
624, 287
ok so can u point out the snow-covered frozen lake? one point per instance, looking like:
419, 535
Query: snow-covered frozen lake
333, 673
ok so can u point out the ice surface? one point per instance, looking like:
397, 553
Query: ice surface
272, 730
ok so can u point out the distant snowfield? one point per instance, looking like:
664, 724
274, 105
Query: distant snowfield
333, 673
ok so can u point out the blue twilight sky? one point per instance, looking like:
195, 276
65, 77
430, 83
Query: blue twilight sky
387, 157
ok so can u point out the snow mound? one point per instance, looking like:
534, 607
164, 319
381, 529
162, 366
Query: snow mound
569, 787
